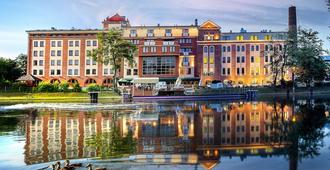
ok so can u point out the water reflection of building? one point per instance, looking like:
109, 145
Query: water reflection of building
209, 130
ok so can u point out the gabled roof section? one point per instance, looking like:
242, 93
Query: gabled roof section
115, 18
209, 25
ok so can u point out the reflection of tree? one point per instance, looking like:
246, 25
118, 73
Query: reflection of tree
302, 134
112, 144
12, 123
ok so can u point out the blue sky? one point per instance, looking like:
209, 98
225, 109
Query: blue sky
17, 16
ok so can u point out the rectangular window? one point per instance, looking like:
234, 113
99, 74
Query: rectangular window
59, 52
224, 49
238, 48
172, 48
58, 62
164, 49
75, 72
35, 53
243, 48
94, 71
133, 33
70, 62
228, 49
158, 65
52, 53
76, 43
53, 43
41, 53
252, 59
223, 71
88, 62
88, 71
35, 72
70, 72
35, 43
238, 59
135, 72
94, 43
70, 52
58, 72
35, 62
41, 72
88, 43
94, 62
41, 62
238, 71
228, 71
252, 47
223, 59
150, 33
70, 43
257, 47
42, 43
76, 62
52, 72
52, 62
243, 59
105, 71
76, 52
59, 43
243, 71
228, 59
129, 72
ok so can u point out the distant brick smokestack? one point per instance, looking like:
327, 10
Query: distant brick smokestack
292, 19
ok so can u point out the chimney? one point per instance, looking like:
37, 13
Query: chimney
292, 19
196, 22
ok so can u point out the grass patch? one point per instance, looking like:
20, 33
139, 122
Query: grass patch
56, 96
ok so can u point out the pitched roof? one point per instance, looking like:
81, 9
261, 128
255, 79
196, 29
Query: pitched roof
28, 77
116, 18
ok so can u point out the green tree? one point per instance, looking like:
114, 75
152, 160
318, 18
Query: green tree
21, 61
306, 57
9, 70
113, 50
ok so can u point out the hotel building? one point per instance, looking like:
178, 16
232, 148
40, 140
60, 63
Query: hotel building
192, 52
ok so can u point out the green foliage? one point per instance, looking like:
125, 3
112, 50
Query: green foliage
64, 86
21, 61
112, 144
113, 50
307, 60
93, 87
9, 71
46, 86
76, 87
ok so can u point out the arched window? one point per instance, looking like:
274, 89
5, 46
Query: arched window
55, 80
90, 81
107, 82
72, 81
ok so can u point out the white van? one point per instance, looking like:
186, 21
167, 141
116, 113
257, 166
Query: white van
161, 85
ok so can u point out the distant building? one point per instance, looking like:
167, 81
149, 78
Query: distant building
193, 52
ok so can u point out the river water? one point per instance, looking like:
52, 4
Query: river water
270, 134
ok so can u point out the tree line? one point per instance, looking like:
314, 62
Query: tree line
12, 69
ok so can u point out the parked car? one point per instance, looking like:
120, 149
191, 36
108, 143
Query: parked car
216, 85
161, 85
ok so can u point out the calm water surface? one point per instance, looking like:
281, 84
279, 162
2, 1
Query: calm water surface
275, 134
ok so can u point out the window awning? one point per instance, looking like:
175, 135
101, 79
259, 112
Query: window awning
125, 80
146, 80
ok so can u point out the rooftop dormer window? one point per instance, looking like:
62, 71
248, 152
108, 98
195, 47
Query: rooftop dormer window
168, 32
185, 32
150, 32
133, 33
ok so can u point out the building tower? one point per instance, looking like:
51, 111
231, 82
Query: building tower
292, 19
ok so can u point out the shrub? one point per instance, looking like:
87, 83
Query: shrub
76, 87
93, 87
64, 86
46, 86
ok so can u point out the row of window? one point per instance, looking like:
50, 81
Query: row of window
240, 129
58, 43
153, 49
254, 37
130, 71
185, 41
255, 71
35, 62
168, 32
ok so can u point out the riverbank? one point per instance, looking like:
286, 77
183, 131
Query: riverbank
58, 96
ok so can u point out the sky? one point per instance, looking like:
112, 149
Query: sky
17, 16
